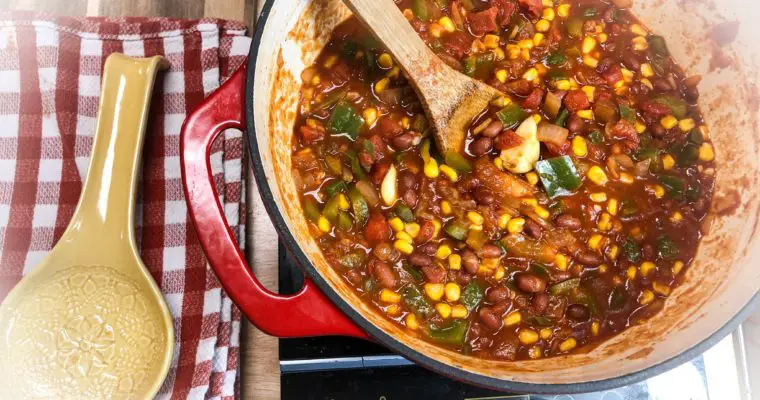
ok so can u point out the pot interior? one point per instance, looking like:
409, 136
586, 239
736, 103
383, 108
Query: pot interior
722, 279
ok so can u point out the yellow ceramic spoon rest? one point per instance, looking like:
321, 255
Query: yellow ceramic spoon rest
89, 321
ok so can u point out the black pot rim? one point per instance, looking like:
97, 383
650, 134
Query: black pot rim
410, 353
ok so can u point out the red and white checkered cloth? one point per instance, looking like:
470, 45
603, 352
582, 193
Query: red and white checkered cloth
50, 69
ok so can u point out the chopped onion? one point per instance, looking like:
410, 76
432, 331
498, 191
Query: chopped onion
642, 167
366, 189
388, 189
623, 160
553, 102
551, 133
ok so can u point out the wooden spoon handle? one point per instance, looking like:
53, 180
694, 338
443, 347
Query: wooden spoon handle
387, 23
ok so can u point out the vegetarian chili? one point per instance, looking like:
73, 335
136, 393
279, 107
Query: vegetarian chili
575, 209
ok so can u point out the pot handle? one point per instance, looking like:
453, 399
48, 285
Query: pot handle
306, 313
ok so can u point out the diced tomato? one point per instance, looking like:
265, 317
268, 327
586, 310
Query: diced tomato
457, 44
311, 135
507, 140
626, 133
377, 229
482, 22
340, 73
379, 146
613, 75
506, 9
534, 6
576, 100
388, 127
654, 110
520, 88
533, 100
379, 170
366, 159
564, 150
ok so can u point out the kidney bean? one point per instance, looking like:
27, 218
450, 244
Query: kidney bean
497, 294
539, 302
662, 85
692, 93
428, 248
462, 277
493, 129
406, 181
470, 261
403, 141
419, 259
500, 307
490, 251
532, 228
589, 258
354, 276
530, 283
657, 130
604, 65
631, 61
489, 319
481, 146
647, 251
575, 123
384, 275
567, 221
410, 198
434, 274
578, 312
484, 196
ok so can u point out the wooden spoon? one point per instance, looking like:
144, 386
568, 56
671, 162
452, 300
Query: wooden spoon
451, 99
89, 321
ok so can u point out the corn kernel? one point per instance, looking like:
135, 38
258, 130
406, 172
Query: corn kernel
393, 310
538, 38
515, 225
530, 75
513, 51
512, 318
445, 207
612, 206
677, 267
595, 328
568, 344
627, 75
396, 224
408, 14
437, 227
706, 152
525, 44
490, 263
589, 91
659, 191
498, 54
646, 297
412, 228
447, 24
590, 61
604, 224
434, 291
686, 125
455, 262
504, 221
500, 273
548, 13
676, 217
640, 43
532, 178
431, 168
580, 149
405, 237
381, 85
646, 70
411, 322
547, 3
560, 262
389, 296
595, 241
343, 203
459, 311
646, 268
393, 73
562, 84
563, 10
589, 44
528, 336
545, 333
475, 217
612, 252
602, 269
501, 75
661, 288
639, 30
316, 80
436, 30
631, 272
585, 114
598, 197
525, 54
385, 60
597, 175
543, 25
603, 37
444, 310
647, 83
535, 352
668, 162
405, 122
541, 212
323, 224
443, 252
501, 101
449, 172
452, 291
330, 61
626, 178
403, 246
370, 116
491, 41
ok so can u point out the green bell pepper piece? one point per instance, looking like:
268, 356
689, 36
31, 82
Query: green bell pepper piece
420, 10
558, 176
596, 137
414, 299
627, 113
356, 167
456, 229
658, 46
453, 334
345, 121
562, 118
469, 65
555, 59
575, 27
666, 248
359, 206
618, 298
344, 221
673, 185
457, 161
334, 164
471, 295
311, 209
677, 105
331, 209
632, 250
511, 115
589, 12
403, 212
334, 187
565, 287
353, 259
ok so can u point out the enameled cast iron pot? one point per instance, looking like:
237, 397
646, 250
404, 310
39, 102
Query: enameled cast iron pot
720, 288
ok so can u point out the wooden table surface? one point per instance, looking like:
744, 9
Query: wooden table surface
259, 353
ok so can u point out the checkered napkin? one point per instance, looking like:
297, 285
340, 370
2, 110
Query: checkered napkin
50, 69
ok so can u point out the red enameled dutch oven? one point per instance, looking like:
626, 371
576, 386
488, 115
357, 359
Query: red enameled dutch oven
719, 290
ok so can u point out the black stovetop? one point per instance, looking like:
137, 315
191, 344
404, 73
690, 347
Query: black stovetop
339, 368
